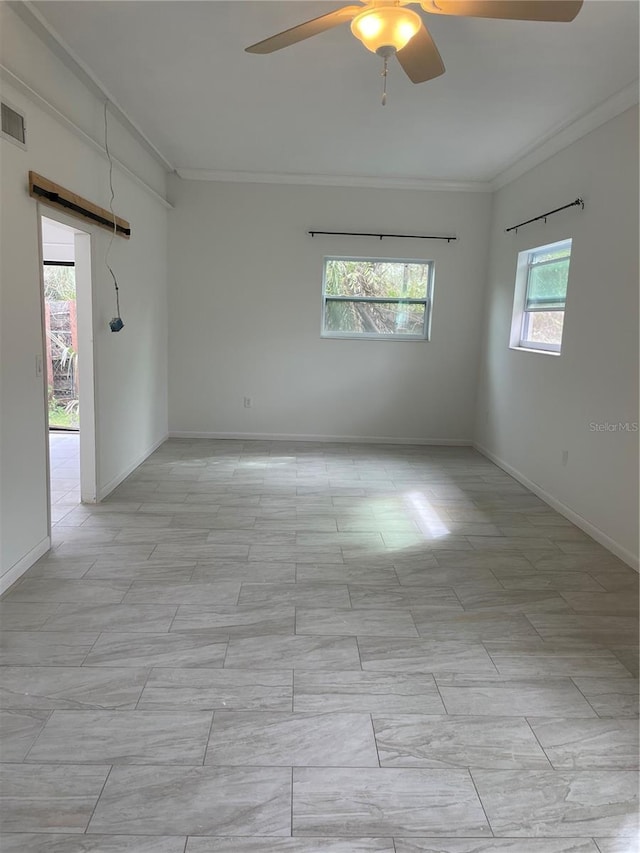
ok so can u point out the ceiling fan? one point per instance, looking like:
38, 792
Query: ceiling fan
388, 27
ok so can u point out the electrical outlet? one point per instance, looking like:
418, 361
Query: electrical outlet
565, 457
248, 402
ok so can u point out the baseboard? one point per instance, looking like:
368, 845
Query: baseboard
106, 490
18, 569
338, 439
590, 529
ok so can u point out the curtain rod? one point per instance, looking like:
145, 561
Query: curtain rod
380, 236
578, 201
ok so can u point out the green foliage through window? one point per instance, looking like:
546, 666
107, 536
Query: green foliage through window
376, 298
546, 294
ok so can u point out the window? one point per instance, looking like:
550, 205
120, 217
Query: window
545, 272
364, 298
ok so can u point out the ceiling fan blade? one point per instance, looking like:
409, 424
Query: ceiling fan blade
306, 30
514, 10
420, 58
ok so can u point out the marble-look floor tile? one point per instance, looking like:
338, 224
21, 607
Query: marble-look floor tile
418, 740
513, 601
560, 581
535, 658
157, 536
187, 648
209, 800
605, 630
496, 696
218, 689
617, 580
286, 739
48, 799
628, 657
123, 737
346, 574
371, 692
242, 621
610, 697
67, 569
111, 617
121, 520
553, 803
291, 845
273, 652
251, 536
45, 648
18, 732
143, 570
574, 562
485, 560
424, 656
495, 845
73, 591
474, 626
298, 594
588, 744
616, 845
76, 550
70, 688
54, 843
602, 603
385, 801
16, 616
373, 623
447, 576
404, 598
253, 572
292, 522
165, 592
296, 553
202, 553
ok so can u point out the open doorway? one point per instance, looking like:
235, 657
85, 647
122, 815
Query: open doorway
68, 368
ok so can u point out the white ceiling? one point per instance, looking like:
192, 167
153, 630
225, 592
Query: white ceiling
178, 68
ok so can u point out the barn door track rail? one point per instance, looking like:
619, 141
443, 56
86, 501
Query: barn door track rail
56, 196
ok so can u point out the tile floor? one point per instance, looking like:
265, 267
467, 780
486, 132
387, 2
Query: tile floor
64, 460
260, 647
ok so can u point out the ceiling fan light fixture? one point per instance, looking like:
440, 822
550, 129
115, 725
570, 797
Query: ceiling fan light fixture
385, 27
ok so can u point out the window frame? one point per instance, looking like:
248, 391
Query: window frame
521, 313
368, 336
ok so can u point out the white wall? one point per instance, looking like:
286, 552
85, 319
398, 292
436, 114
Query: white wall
245, 313
131, 373
533, 406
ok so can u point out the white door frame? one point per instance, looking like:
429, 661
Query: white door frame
85, 300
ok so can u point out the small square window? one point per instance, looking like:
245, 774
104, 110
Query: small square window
541, 293
365, 298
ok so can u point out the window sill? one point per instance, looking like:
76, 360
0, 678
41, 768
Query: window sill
536, 350
412, 338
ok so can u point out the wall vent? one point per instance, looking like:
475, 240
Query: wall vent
13, 125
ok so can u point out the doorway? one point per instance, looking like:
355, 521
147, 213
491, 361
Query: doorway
68, 364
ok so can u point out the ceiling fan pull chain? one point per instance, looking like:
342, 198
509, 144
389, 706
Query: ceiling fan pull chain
384, 78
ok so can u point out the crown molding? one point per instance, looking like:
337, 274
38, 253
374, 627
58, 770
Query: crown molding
7, 76
334, 180
566, 134
39, 25
560, 137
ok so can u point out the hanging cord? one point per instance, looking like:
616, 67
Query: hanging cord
384, 78
116, 324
